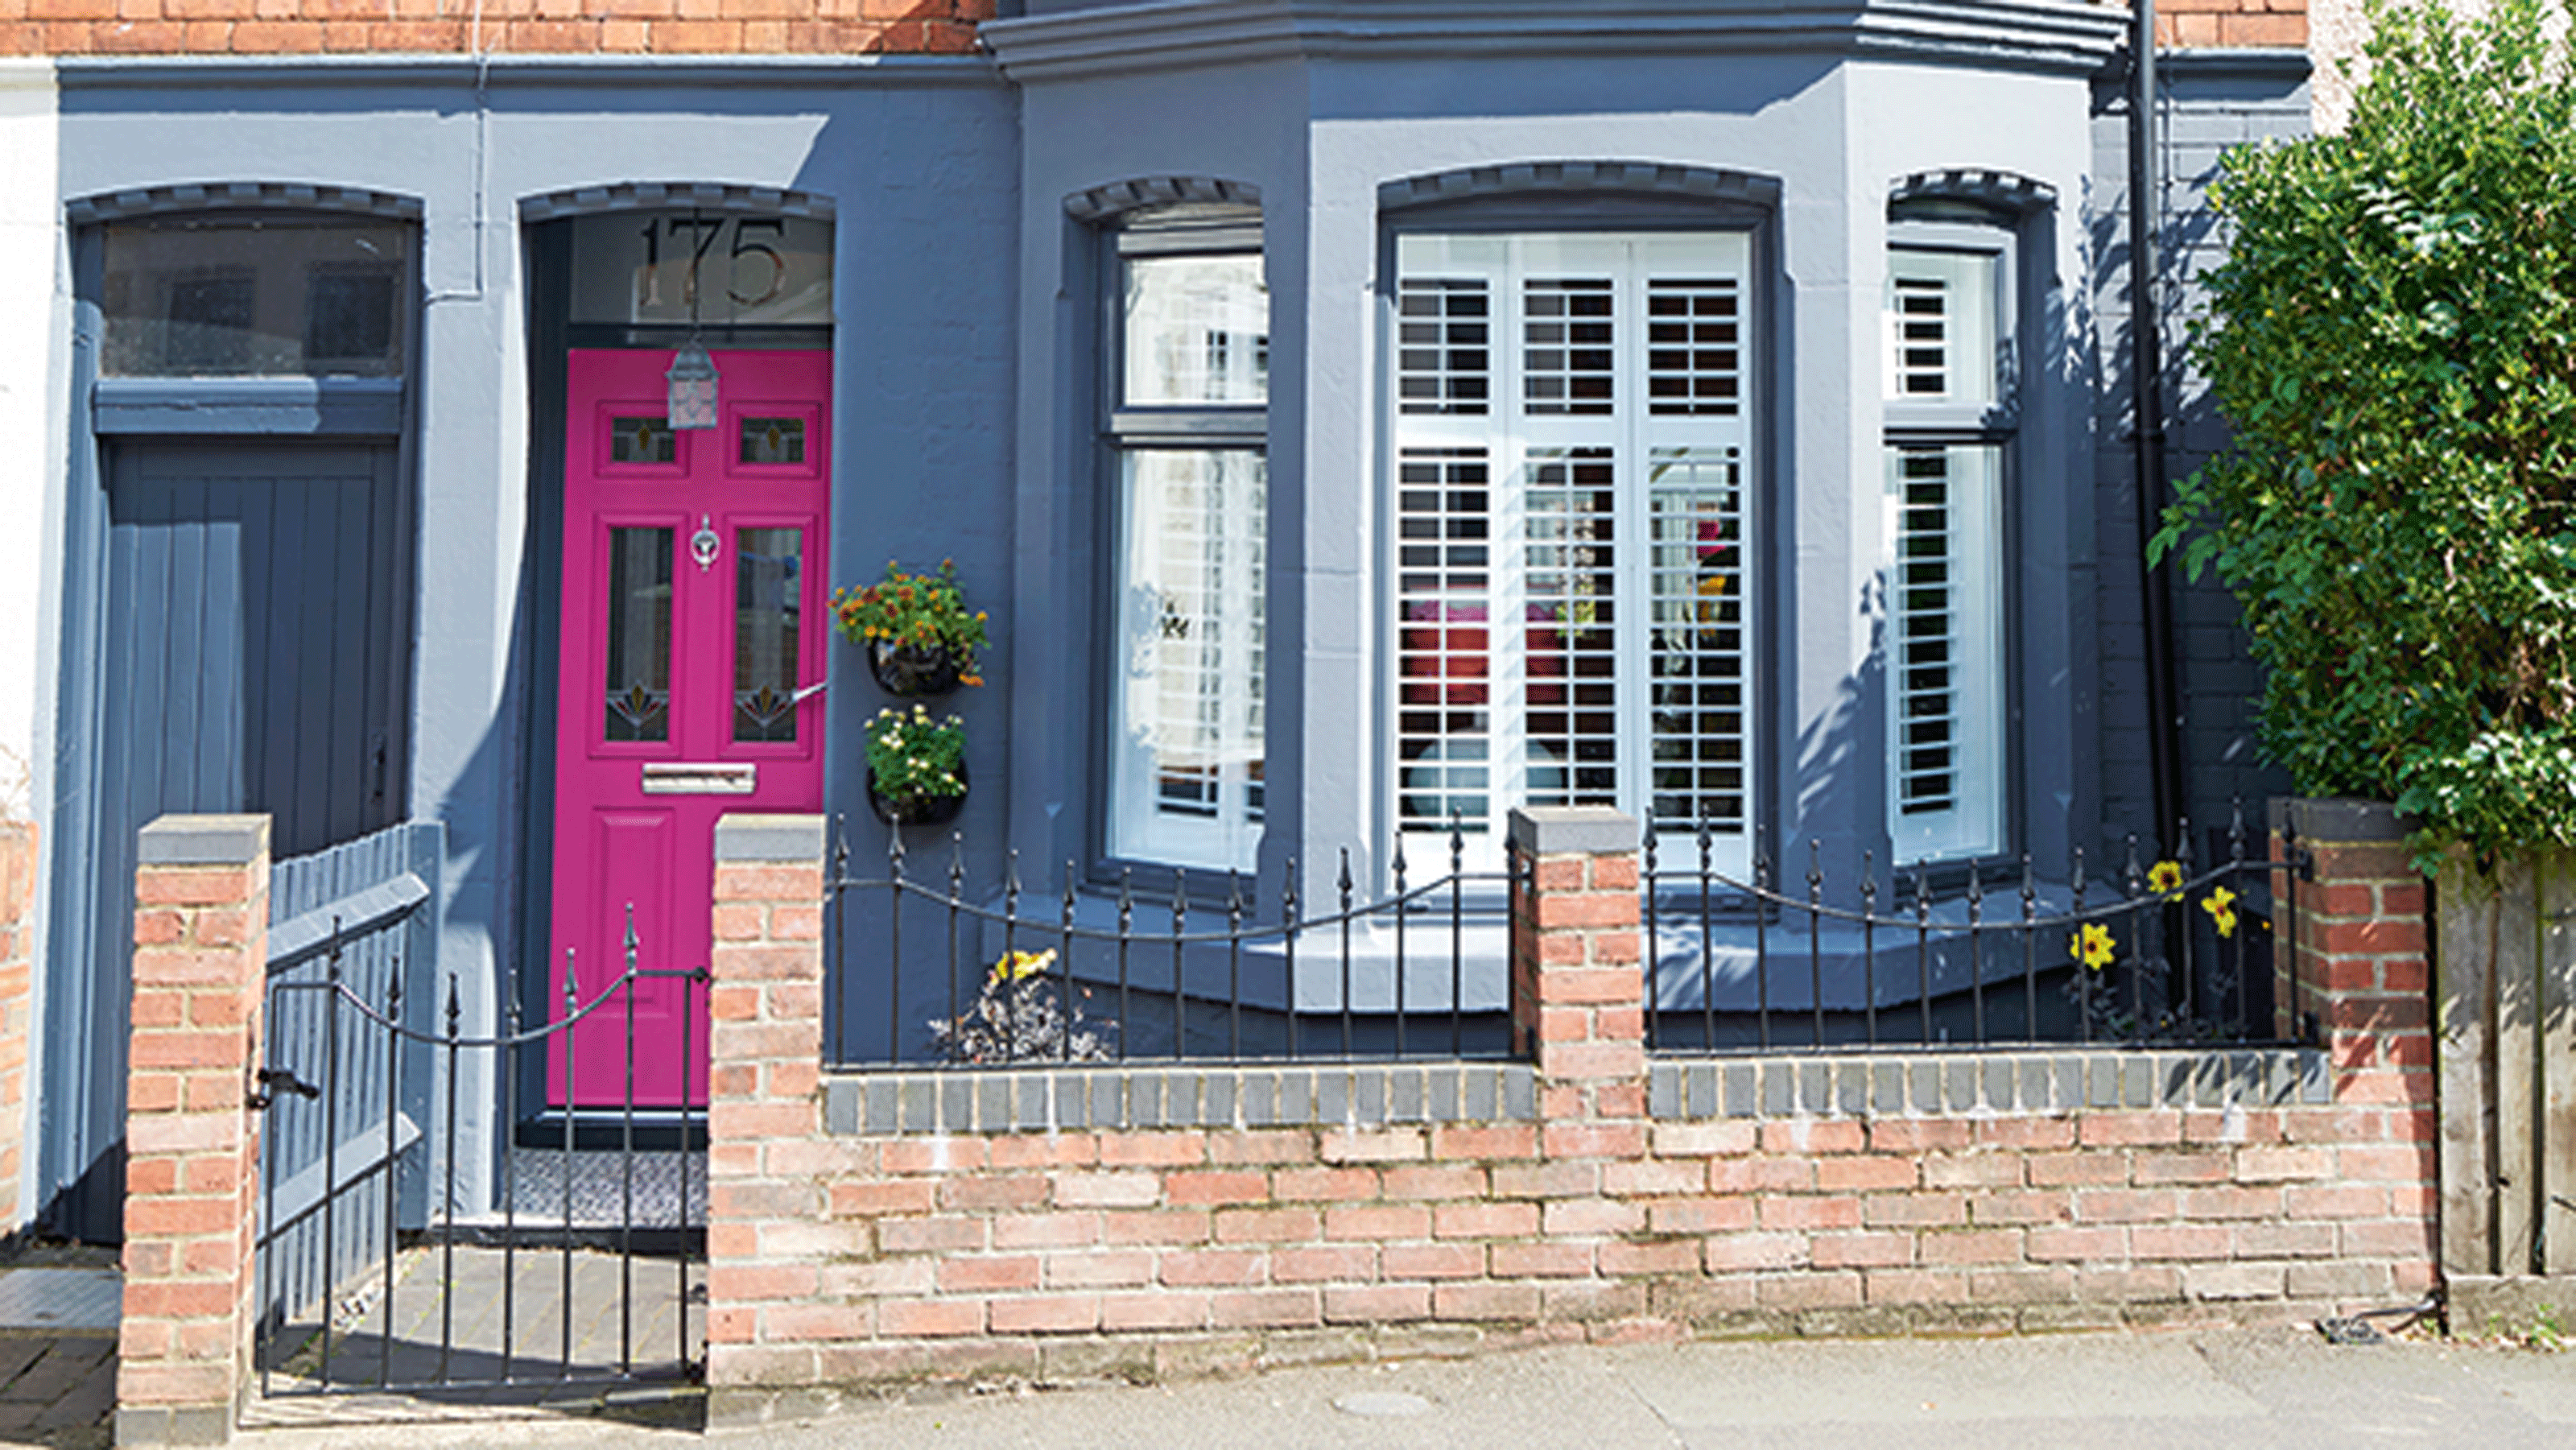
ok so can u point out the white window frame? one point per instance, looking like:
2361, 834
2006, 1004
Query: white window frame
1950, 398
1546, 548
1194, 803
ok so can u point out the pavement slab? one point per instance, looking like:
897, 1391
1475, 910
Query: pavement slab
2276, 1389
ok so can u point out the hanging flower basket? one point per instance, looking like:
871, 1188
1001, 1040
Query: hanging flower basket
916, 808
916, 767
920, 636
911, 671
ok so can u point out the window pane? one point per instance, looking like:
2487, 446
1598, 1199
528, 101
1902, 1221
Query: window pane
1570, 572
236, 295
639, 634
1945, 651
1192, 575
1445, 600
768, 596
1700, 660
1198, 331
1444, 357
1941, 327
1568, 345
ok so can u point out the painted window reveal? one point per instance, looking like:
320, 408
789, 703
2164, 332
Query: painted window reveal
1572, 610
768, 593
239, 295
639, 635
1189, 371
1944, 526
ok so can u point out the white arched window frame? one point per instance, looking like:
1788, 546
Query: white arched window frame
1951, 405
1185, 422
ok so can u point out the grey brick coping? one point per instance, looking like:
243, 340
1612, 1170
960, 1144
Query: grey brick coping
1985, 1083
1114, 1098
1883, 1085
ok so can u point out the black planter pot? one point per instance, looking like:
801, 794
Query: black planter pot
917, 810
912, 672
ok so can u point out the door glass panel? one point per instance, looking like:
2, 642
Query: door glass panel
773, 440
642, 440
768, 582
639, 634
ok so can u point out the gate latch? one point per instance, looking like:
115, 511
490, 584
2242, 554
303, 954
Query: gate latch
281, 1077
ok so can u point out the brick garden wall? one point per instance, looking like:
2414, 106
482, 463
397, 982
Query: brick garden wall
506, 27
1055, 1224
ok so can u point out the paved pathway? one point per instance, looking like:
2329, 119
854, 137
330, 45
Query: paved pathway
625, 1316
58, 1346
2274, 1389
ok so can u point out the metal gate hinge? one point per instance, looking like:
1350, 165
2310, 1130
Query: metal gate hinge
280, 1077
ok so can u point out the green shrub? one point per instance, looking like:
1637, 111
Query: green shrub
2394, 342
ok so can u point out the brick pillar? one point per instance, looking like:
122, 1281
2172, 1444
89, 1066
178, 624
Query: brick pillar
764, 1100
191, 1136
2359, 966
17, 894
1578, 986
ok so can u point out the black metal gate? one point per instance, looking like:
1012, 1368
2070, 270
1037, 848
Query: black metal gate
573, 1270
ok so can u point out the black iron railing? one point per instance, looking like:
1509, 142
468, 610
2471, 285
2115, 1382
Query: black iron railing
1797, 959
935, 970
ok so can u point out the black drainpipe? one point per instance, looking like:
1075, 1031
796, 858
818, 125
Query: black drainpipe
2147, 377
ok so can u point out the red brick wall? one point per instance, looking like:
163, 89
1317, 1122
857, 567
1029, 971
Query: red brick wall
624, 27
2191, 24
897, 1225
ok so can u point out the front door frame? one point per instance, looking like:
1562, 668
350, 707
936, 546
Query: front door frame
552, 335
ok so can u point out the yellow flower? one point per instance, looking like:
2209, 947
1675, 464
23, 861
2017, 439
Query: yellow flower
1016, 966
2165, 878
2091, 945
2220, 903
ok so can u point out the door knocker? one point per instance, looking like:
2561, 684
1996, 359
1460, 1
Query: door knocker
704, 544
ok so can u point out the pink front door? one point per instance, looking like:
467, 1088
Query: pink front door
693, 627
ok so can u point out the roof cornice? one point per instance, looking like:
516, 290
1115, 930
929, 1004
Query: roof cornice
2057, 36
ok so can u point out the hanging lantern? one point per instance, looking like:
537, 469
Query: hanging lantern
693, 388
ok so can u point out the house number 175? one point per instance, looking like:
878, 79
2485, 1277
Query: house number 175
754, 272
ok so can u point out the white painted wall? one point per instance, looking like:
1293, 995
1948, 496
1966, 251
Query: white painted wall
29, 246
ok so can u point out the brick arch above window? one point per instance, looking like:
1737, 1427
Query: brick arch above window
296, 196
1106, 203
661, 195
1634, 178
2002, 191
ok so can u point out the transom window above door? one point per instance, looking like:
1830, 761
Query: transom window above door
1572, 609
257, 294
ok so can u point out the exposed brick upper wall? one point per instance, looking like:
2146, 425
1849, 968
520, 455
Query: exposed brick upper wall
505, 27
2281, 24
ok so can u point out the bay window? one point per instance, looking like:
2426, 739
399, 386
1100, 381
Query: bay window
1186, 425
1572, 503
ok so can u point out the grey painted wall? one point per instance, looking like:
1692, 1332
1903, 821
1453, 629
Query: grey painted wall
2212, 101
919, 157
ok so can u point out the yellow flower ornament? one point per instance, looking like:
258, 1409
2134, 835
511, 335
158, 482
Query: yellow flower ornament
2091, 945
2220, 903
2165, 878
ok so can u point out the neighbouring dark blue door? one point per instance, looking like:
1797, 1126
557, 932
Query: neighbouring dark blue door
255, 657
